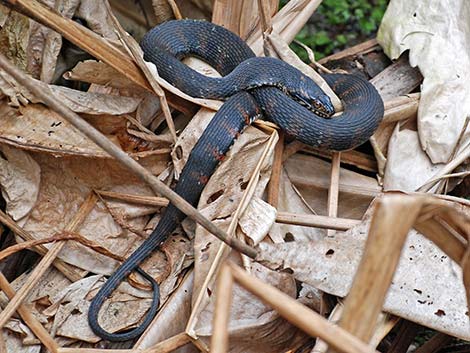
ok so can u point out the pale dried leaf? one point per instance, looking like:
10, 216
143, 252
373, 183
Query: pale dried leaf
257, 219
408, 167
53, 40
98, 72
438, 37
72, 303
427, 287
19, 338
97, 19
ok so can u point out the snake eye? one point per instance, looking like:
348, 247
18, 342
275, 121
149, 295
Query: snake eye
316, 104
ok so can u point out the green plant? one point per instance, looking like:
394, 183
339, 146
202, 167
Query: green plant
338, 24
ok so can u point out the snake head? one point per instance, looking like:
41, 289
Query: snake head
319, 103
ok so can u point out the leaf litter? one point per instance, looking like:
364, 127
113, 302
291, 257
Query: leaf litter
49, 169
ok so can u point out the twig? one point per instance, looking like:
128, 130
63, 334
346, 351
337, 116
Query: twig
449, 167
136, 52
311, 220
333, 190
43, 92
273, 186
223, 301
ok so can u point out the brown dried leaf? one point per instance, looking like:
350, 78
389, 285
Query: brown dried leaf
19, 181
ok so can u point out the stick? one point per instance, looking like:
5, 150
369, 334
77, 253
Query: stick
311, 220
333, 190
219, 339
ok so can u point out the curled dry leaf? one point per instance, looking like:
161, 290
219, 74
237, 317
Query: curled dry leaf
427, 287
20, 177
438, 38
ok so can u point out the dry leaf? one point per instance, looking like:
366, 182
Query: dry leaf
20, 176
438, 37
427, 287
408, 167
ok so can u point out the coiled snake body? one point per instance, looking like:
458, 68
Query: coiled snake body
251, 86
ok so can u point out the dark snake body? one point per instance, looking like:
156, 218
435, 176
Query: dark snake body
251, 86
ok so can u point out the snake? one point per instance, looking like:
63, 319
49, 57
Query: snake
251, 87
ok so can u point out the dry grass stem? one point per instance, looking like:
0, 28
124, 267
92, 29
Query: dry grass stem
175, 9
447, 169
311, 57
136, 199
170, 344
361, 48
219, 339
311, 220
273, 186
333, 190
358, 159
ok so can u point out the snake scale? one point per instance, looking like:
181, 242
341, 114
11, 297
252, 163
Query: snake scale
251, 87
